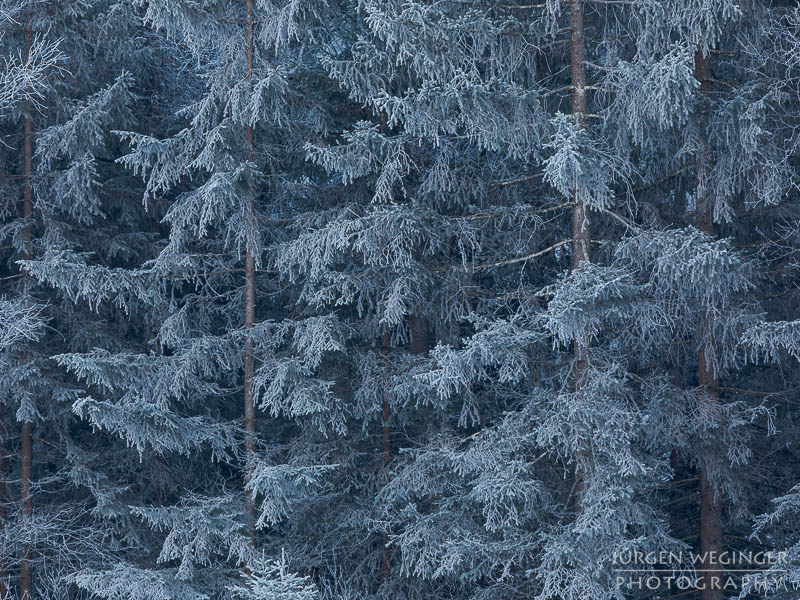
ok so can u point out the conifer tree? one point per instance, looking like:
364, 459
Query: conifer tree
21, 85
61, 199
231, 173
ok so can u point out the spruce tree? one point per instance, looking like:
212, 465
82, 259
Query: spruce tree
227, 170
62, 199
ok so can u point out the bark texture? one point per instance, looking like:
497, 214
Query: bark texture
250, 296
26, 462
710, 502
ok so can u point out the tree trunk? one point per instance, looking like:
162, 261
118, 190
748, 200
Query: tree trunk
387, 410
26, 573
710, 502
419, 335
26, 466
580, 224
387, 413
250, 297
3, 571
387, 447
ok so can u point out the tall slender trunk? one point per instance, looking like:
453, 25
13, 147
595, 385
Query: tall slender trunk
26, 466
710, 502
26, 476
387, 410
250, 295
3, 571
387, 413
387, 447
580, 223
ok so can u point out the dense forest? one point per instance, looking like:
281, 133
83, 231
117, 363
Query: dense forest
408, 299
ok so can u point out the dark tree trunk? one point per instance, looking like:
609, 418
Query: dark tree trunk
26, 466
26, 476
250, 296
387, 410
3, 567
387, 413
710, 502
387, 447
418, 327
580, 224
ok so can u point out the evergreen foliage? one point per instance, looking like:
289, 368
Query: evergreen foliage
395, 299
